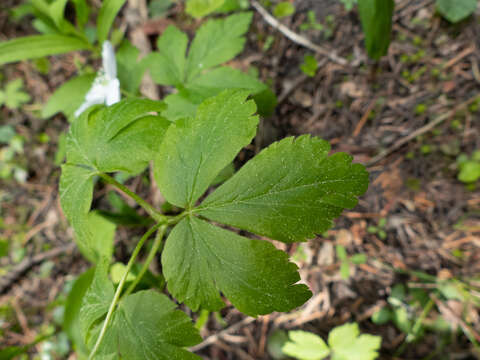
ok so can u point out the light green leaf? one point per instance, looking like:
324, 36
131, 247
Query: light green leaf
224, 77
130, 70
32, 47
180, 105
303, 345
457, 10
14, 97
376, 17
216, 42
167, 66
283, 9
106, 15
56, 10
146, 326
81, 12
345, 270
469, 171
346, 343
200, 260
196, 149
200, 8
68, 97
309, 66
289, 192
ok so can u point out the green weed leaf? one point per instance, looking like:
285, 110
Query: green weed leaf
195, 150
32, 47
201, 259
197, 75
303, 345
346, 343
289, 192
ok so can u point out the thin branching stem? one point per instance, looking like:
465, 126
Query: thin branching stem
156, 245
154, 213
118, 292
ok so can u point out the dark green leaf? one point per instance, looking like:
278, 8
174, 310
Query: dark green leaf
72, 311
290, 191
31, 47
200, 260
196, 149
376, 17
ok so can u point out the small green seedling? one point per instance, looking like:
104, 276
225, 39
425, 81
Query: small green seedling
12, 96
283, 9
379, 230
309, 66
347, 262
311, 23
10, 164
469, 168
349, 4
345, 342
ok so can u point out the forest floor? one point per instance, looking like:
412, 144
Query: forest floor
418, 225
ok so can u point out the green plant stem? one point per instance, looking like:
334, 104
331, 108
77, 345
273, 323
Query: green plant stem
116, 297
154, 213
156, 245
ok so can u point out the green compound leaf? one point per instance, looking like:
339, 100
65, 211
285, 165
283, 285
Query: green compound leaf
122, 137
455, 11
32, 47
200, 8
107, 14
346, 343
201, 259
168, 64
195, 150
303, 345
289, 192
376, 17
197, 75
68, 97
217, 42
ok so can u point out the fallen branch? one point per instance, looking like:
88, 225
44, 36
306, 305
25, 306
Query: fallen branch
296, 38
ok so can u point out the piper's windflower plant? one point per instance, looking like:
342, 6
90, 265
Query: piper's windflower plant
106, 86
